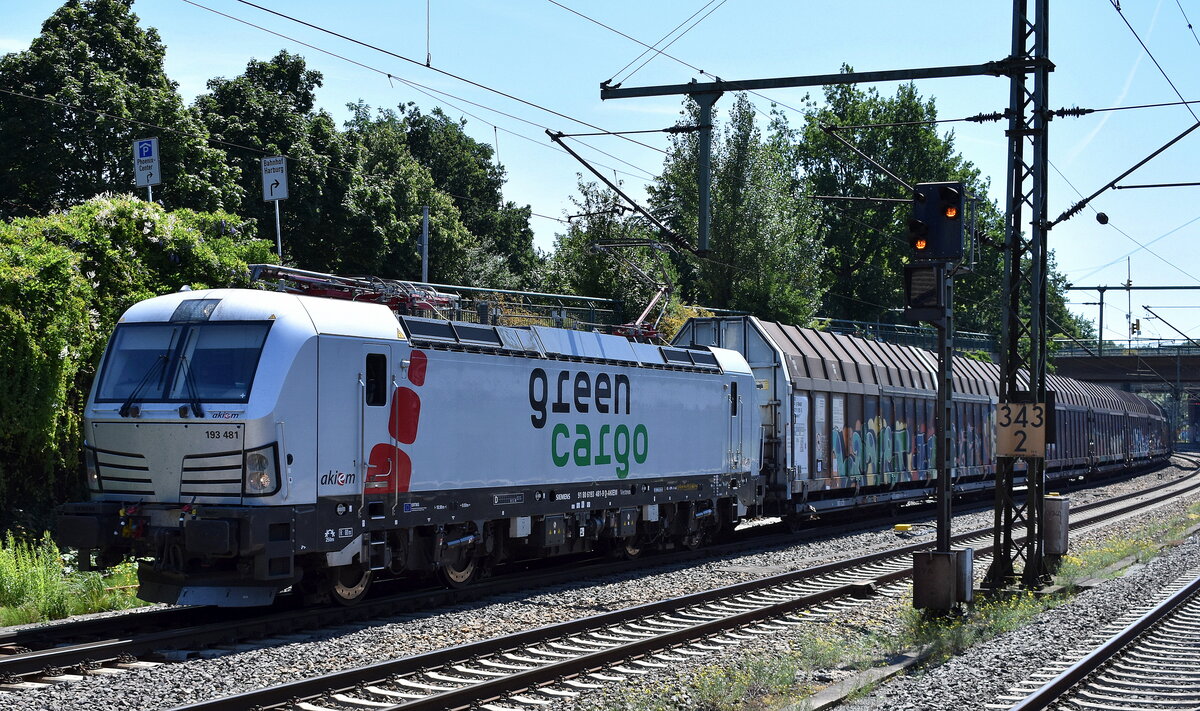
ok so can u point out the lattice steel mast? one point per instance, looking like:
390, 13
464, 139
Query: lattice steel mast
1023, 337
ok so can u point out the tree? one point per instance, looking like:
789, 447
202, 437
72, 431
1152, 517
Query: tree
97, 74
465, 169
383, 212
65, 279
863, 267
269, 111
764, 251
576, 267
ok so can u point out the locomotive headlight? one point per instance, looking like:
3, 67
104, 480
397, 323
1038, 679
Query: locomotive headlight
93, 470
261, 471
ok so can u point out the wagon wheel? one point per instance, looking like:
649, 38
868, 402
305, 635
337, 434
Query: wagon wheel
348, 584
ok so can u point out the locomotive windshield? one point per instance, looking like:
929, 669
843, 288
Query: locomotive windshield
212, 361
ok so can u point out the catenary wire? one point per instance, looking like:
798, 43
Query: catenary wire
414, 85
1129, 237
1188, 21
443, 72
677, 38
653, 48
1117, 5
631, 39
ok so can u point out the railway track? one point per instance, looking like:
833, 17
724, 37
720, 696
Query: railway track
59, 652
538, 666
1151, 661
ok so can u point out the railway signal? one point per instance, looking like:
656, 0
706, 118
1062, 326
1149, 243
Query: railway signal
935, 230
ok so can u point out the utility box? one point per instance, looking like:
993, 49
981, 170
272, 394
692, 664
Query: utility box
942, 580
935, 580
1056, 511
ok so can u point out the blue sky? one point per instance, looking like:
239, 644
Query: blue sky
540, 52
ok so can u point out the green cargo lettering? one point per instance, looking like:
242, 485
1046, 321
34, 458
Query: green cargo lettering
560, 460
618, 447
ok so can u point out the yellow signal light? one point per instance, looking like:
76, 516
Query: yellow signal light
951, 211
919, 244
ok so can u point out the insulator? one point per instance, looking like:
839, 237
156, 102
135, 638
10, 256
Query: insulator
981, 118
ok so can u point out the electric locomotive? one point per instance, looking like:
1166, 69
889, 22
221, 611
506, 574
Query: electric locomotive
246, 441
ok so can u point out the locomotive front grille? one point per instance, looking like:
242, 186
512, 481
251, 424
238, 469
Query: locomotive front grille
212, 475
123, 473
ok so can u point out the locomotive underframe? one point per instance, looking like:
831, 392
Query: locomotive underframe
244, 555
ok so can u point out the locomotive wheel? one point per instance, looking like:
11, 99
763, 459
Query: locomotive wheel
622, 548
696, 539
632, 547
461, 571
349, 584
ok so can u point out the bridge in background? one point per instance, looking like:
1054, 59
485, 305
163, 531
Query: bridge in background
1168, 373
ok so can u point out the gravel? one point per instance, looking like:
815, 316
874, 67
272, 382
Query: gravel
958, 684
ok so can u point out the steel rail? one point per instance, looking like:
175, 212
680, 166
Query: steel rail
1061, 685
518, 681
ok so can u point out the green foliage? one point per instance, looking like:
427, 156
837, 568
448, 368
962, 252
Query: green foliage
47, 333
863, 268
576, 268
269, 110
383, 213
64, 281
947, 636
355, 195
744, 685
36, 585
1102, 559
92, 54
764, 252
464, 169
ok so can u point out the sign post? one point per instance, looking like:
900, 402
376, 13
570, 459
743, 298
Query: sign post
146, 170
275, 188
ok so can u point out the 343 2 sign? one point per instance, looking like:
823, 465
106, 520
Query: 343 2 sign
1021, 429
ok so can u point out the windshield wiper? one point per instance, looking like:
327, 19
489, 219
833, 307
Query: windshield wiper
159, 364
190, 381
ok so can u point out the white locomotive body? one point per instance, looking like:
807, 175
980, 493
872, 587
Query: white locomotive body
247, 441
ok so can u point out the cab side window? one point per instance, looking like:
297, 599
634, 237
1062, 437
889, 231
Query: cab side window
376, 379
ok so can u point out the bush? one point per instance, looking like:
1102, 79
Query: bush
64, 281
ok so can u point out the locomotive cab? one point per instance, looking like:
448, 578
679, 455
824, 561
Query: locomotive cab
200, 413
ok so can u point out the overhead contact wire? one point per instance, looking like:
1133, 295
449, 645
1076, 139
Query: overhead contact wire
1121, 13
443, 72
416, 86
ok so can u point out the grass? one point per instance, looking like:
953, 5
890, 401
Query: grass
945, 637
38, 584
804, 665
1141, 547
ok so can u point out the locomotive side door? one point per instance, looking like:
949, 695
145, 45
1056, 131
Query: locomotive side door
378, 465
